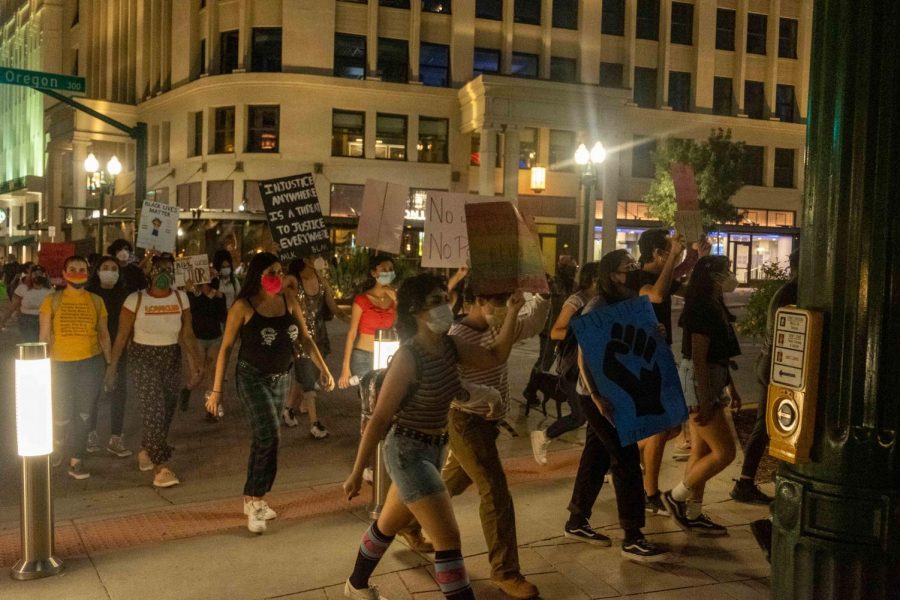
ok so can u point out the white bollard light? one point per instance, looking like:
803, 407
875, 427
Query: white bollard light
386, 345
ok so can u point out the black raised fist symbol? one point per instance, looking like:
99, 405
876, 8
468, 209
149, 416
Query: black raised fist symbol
645, 390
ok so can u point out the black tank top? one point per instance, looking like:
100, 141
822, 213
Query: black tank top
267, 343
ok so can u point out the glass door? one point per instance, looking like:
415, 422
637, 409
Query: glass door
739, 253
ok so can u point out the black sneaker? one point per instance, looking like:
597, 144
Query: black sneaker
676, 510
640, 550
531, 398
184, 399
653, 505
745, 490
704, 526
584, 533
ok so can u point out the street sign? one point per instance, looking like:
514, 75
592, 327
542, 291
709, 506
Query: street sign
43, 81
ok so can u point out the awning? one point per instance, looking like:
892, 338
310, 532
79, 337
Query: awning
17, 240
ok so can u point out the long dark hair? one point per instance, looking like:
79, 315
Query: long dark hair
702, 285
220, 257
258, 264
94, 279
374, 261
608, 265
412, 298
588, 275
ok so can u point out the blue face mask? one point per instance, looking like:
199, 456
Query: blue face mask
386, 278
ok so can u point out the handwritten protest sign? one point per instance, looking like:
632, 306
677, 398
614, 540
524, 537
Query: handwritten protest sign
158, 226
632, 367
381, 219
193, 268
686, 195
504, 250
446, 242
295, 216
689, 223
52, 256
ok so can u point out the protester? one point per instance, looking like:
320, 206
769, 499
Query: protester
11, 270
208, 314
411, 416
73, 324
227, 279
131, 273
160, 319
269, 323
26, 301
708, 344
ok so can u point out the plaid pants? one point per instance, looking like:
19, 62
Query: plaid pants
262, 395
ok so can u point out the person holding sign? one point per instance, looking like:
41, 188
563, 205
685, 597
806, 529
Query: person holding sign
708, 345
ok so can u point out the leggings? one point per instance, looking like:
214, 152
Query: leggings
154, 379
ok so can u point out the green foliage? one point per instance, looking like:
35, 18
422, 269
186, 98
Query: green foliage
717, 163
353, 269
753, 322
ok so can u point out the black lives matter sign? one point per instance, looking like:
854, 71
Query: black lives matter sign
295, 216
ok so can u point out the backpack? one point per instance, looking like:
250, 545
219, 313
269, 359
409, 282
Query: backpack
565, 359
370, 386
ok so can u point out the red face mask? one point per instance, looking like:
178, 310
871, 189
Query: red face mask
271, 283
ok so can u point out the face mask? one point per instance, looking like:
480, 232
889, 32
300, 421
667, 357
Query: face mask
271, 283
76, 280
386, 278
319, 264
497, 317
225, 271
123, 255
440, 318
40, 280
729, 283
162, 280
108, 277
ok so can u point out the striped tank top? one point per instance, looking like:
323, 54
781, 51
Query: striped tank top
427, 407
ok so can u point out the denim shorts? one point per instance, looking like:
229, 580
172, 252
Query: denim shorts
361, 362
306, 373
718, 381
414, 466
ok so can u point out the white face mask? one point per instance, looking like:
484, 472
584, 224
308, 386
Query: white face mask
440, 318
123, 255
225, 271
108, 277
729, 283
386, 278
319, 264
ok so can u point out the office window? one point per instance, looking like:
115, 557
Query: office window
228, 48
486, 61
195, 130
266, 53
787, 38
394, 3
642, 157
527, 11
784, 167
645, 87
611, 74
224, 133
348, 133
434, 64
393, 60
648, 19
390, 137
262, 128
780, 218
489, 9
680, 91
529, 142
613, 19
436, 6
754, 162
725, 29
563, 69
433, 140
756, 33
562, 150
202, 69
785, 103
220, 194
565, 14
524, 65
723, 96
754, 99
349, 56
682, 23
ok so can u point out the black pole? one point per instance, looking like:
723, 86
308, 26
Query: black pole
140, 171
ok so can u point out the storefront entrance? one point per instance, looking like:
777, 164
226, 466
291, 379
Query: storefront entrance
739, 253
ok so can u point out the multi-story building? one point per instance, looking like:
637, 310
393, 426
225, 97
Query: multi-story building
462, 95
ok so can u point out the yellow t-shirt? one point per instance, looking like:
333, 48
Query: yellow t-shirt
74, 325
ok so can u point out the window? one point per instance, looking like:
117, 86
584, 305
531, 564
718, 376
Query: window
262, 128
529, 142
220, 194
565, 14
433, 140
680, 91
436, 6
613, 19
489, 9
642, 157
784, 167
787, 38
202, 69
224, 138
524, 65
434, 65
756, 33
349, 56
754, 160
645, 87
390, 137
527, 11
266, 54
754, 99
611, 74
393, 60
563, 69
187, 195
648, 19
348, 133
228, 47
486, 61
682, 23
394, 3
562, 150
785, 103
723, 96
725, 29
195, 128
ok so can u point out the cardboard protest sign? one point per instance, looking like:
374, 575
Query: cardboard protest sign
52, 256
504, 251
686, 195
193, 268
446, 242
295, 216
381, 218
632, 367
158, 226
689, 223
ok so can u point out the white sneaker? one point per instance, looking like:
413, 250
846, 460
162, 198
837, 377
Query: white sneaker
539, 444
256, 517
287, 415
369, 593
268, 512
318, 431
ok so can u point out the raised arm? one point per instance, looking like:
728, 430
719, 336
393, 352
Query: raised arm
659, 290
479, 357
533, 317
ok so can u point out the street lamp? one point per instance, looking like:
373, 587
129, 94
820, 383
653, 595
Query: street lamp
104, 182
589, 161
538, 179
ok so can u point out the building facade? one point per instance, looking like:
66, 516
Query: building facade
460, 95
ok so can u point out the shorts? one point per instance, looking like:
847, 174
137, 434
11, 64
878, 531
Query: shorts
718, 381
207, 344
361, 362
306, 373
414, 466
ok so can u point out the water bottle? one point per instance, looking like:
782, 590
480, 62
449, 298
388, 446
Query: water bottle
354, 380
220, 411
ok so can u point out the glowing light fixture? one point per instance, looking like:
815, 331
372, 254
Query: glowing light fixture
582, 155
598, 153
91, 164
386, 345
538, 179
34, 406
113, 167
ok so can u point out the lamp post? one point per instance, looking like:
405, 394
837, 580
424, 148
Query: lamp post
589, 161
386, 345
104, 182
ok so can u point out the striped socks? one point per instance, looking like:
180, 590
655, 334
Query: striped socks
450, 572
373, 546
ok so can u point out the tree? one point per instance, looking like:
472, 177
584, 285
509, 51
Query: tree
718, 168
